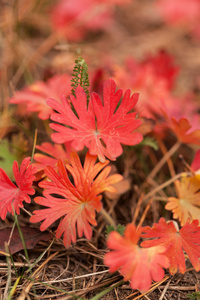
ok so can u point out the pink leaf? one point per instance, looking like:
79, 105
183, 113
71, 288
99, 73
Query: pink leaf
14, 195
138, 265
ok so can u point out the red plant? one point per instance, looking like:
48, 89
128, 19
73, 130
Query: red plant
154, 77
100, 126
11, 195
184, 131
180, 115
163, 67
76, 203
175, 241
185, 13
196, 163
136, 264
34, 96
73, 19
53, 152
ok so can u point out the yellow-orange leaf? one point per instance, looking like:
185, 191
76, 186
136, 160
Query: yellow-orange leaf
186, 207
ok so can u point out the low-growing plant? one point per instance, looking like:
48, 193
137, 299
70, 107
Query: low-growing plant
72, 191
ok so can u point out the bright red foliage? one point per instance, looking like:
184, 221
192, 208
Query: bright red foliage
53, 152
196, 163
102, 126
138, 265
154, 77
175, 241
34, 96
163, 67
76, 203
74, 18
14, 195
185, 13
184, 131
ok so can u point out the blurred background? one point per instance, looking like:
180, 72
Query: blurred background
152, 47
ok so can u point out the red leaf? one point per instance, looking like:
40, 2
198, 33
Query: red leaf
34, 96
102, 127
31, 237
74, 18
76, 203
183, 129
14, 195
196, 162
51, 154
153, 77
182, 13
187, 238
138, 265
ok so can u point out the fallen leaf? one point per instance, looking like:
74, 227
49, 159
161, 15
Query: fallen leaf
32, 236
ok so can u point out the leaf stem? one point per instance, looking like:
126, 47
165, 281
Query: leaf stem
164, 160
165, 184
108, 218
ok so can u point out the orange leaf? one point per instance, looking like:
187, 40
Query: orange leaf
175, 241
138, 265
187, 205
77, 203
183, 130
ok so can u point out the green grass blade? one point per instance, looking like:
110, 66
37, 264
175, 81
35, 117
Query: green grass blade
101, 294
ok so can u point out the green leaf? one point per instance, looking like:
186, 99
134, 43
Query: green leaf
149, 141
109, 228
194, 296
106, 291
7, 158
120, 229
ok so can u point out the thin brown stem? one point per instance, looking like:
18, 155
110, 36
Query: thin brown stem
169, 163
137, 209
165, 184
164, 160
145, 213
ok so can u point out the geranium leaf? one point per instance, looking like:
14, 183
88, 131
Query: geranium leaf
136, 264
102, 126
77, 203
187, 205
175, 241
11, 195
